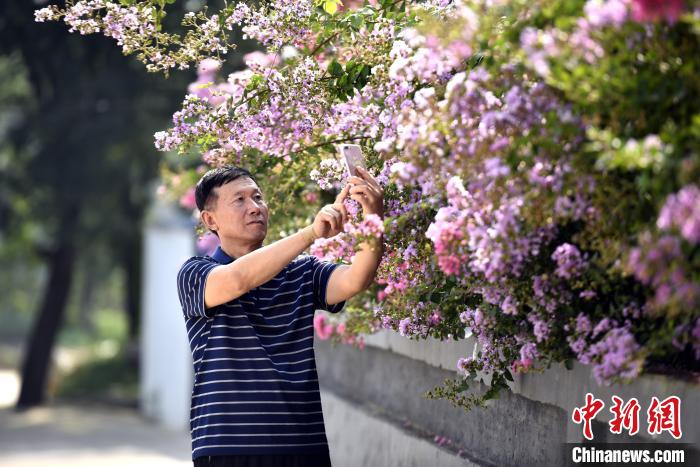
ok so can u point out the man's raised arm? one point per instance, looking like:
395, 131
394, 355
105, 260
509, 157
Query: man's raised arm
226, 282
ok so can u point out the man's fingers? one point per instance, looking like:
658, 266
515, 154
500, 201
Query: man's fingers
344, 213
331, 216
346, 216
343, 193
363, 190
366, 176
360, 199
337, 217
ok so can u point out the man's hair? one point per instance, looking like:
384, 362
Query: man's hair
204, 192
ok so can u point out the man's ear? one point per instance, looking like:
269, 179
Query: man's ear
208, 220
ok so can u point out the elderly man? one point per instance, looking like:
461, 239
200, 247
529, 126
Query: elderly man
249, 315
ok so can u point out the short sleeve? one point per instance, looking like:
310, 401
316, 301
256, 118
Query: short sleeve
191, 279
321, 273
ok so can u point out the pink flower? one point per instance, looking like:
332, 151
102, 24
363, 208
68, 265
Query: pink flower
653, 10
259, 59
187, 200
311, 197
323, 330
208, 67
521, 366
207, 243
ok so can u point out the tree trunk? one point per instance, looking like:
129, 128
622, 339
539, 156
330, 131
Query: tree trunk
87, 301
132, 267
43, 335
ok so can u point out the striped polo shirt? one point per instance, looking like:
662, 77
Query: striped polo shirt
255, 382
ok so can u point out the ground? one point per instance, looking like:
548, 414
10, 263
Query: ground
81, 436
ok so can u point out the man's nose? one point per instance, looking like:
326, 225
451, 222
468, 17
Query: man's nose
253, 206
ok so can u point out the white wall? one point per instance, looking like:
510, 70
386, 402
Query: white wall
166, 361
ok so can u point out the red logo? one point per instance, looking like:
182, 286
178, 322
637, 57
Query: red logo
626, 416
665, 416
661, 415
586, 413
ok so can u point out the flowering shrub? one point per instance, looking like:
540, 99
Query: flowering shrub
539, 160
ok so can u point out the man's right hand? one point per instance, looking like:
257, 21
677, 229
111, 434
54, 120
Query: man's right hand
331, 218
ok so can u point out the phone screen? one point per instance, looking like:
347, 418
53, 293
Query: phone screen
352, 154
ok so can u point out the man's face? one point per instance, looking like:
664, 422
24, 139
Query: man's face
239, 211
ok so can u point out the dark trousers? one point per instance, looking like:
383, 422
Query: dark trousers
265, 460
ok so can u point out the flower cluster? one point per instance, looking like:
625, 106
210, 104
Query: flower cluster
275, 23
137, 30
326, 330
329, 173
681, 211
521, 155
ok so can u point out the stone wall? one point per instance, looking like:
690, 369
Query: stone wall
525, 427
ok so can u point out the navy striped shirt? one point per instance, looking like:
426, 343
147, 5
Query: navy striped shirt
255, 382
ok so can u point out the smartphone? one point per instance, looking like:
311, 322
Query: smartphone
352, 155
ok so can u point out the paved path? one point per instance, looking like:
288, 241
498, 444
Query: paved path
84, 436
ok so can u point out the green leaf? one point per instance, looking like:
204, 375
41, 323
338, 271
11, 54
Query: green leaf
331, 6
335, 69
356, 21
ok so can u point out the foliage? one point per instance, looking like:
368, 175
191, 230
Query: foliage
539, 158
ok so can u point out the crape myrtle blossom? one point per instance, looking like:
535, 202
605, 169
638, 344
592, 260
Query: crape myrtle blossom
136, 28
659, 261
541, 45
498, 220
654, 10
681, 211
274, 23
609, 345
330, 172
277, 125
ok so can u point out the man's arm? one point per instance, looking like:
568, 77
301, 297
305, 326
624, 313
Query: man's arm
226, 282
229, 281
348, 280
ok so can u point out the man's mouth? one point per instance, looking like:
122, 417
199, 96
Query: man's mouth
256, 222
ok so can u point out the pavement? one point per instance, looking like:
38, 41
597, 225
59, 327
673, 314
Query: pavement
62, 435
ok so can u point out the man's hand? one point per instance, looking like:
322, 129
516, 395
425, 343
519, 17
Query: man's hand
331, 218
368, 192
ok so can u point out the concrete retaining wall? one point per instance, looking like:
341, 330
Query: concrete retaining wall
527, 426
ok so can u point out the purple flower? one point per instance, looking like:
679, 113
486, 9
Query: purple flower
528, 351
404, 326
569, 261
616, 356
600, 13
682, 211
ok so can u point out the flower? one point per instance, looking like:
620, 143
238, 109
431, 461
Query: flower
682, 212
615, 356
323, 329
569, 261
207, 243
654, 10
187, 200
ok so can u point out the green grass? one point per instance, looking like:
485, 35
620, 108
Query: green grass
108, 324
107, 376
110, 379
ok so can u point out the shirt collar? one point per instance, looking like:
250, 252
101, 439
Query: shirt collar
220, 256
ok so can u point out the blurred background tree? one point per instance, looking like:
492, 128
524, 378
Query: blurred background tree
77, 167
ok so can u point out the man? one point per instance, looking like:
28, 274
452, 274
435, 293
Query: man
249, 316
